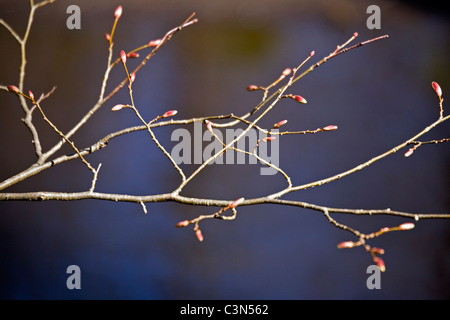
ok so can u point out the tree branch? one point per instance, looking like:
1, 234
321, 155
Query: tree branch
272, 94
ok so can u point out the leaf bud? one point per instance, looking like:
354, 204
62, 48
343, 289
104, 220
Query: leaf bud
169, 113
235, 203
123, 57
118, 12
182, 224
329, 128
409, 152
437, 89
286, 71
299, 99
199, 235
12, 88
280, 123
380, 263
117, 107
346, 244
154, 43
406, 226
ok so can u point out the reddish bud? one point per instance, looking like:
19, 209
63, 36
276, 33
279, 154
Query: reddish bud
355, 34
182, 224
299, 99
132, 77
107, 36
265, 139
280, 123
377, 250
437, 89
409, 152
235, 203
329, 128
133, 55
169, 113
208, 125
118, 12
380, 263
12, 88
406, 226
199, 235
252, 87
286, 71
346, 244
31, 95
123, 56
117, 107
311, 53
154, 43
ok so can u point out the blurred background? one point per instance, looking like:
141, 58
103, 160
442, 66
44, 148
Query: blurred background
379, 95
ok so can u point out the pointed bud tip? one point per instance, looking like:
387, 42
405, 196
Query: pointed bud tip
265, 139
12, 88
437, 88
123, 56
329, 128
380, 263
132, 77
133, 55
208, 125
377, 250
280, 123
406, 226
182, 224
199, 235
252, 87
346, 244
299, 99
154, 43
117, 107
236, 202
169, 113
118, 12
287, 71
409, 152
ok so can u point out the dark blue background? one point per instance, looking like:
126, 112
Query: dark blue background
379, 96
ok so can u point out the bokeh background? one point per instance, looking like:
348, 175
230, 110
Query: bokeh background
379, 96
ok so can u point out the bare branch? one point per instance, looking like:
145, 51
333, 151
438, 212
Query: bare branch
272, 94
